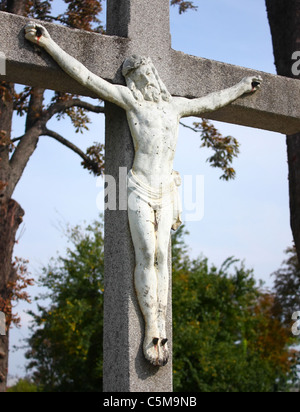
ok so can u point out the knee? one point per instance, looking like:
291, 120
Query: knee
162, 256
145, 257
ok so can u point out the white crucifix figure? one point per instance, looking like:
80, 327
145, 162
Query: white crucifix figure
153, 116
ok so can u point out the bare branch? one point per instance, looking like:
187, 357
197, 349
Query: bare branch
190, 127
17, 139
22, 154
64, 141
74, 148
61, 106
28, 142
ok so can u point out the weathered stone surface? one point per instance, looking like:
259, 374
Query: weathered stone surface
125, 367
102, 55
144, 29
275, 108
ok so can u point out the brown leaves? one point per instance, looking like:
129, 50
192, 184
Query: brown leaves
95, 164
183, 5
225, 148
5, 141
78, 115
5, 94
15, 291
37, 8
21, 101
273, 337
2, 185
82, 15
79, 118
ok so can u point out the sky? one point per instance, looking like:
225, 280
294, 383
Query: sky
247, 218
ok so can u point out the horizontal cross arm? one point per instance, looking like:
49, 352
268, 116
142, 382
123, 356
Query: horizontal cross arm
276, 107
30, 65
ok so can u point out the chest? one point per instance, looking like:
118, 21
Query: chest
153, 119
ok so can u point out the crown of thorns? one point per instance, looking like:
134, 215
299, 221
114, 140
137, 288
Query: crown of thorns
133, 63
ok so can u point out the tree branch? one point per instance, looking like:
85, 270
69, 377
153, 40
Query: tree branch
61, 106
28, 143
71, 146
22, 154
190, 127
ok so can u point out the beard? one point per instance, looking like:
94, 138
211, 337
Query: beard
151, 93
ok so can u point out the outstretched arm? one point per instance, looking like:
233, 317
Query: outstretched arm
217, 100
119, 95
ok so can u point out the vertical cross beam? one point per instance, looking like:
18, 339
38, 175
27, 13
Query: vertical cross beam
146, 24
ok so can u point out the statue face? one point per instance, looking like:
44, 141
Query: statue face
146, 83
144, 77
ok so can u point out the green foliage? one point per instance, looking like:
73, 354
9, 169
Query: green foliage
66, 344
226, 337
287, 285
22, 386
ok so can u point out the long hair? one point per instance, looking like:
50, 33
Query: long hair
133, 63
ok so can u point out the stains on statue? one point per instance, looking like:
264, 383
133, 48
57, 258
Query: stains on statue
153, 117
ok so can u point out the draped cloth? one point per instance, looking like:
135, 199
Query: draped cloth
159, 199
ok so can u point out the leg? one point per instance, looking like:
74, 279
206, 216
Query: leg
163, 233
141, 220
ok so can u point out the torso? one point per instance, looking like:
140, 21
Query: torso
154, 129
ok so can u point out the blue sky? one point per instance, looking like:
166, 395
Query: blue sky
247, 218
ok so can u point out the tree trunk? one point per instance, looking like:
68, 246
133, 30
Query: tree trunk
284, 19
8, 211
11, 215
16, 6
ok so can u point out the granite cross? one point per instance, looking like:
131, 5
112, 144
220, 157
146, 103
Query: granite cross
139, 27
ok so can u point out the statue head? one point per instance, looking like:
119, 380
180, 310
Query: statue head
143, 80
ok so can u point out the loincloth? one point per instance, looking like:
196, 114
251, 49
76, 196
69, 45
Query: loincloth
160, 199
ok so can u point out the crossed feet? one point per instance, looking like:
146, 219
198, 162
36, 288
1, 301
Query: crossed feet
156, 350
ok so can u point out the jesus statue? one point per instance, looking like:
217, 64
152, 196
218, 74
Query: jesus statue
153, 116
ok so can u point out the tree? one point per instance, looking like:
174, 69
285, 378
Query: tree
228, 338
284, 19
287, 286
23, 385
183, 5
15, 152
15, 291
66, 345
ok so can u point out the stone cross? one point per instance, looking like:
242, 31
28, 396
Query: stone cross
139, 27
